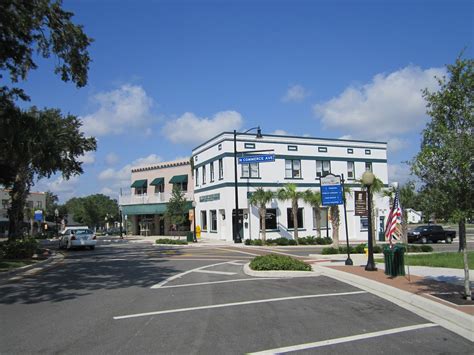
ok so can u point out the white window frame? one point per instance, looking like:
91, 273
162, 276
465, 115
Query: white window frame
290, 171
350, 170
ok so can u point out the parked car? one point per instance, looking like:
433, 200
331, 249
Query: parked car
73, 237
430, 233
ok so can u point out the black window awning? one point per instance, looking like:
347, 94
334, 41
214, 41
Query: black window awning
177, 179
157, 181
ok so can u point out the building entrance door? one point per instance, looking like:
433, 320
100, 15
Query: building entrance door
162, 226
382, 228
241, 224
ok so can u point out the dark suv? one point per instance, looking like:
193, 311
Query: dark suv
430, 233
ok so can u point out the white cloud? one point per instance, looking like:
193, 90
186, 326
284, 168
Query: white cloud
65, 189
111, 158
88, 158
117, 178
396, 144
127, 107
399, 173
389, 105
280, 132
295, 93
192, 129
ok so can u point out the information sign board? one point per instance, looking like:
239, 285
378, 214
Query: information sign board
360, 200
331, 190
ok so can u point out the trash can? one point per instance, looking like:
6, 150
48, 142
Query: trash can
399, 260
190, 237
394, 260
388, 256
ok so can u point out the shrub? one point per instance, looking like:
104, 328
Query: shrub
359, 249
278, 262
19, 249
279, 241
426, 248
330, 250
247, 241
323, 240
171, 241
377, 249
292, 242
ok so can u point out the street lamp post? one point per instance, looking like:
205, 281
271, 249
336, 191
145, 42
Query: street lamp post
368, 179
348, 260
56, 216
120, 216
237, 237
194, 221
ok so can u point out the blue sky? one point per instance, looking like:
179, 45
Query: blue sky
168, 74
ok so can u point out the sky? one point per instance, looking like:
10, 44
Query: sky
167, 75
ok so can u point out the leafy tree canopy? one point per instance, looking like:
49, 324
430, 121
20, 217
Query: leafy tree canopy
177, 207
93, 209
40, 27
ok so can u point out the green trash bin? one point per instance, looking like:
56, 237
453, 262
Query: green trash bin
388, 256
190, 237
399, 260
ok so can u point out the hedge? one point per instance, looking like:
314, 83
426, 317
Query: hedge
171, 241
278, 262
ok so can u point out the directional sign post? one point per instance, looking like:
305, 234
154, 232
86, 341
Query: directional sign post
331, 190
249, 159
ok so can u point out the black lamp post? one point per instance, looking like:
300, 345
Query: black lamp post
368, 179
120, 216
237, 236
194, 222
348, 260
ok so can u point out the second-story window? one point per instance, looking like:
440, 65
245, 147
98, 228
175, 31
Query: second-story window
196, 176
221, 169
203, 174
368, 166
293, 168
323, 168
350, 170
211, 171
250, 170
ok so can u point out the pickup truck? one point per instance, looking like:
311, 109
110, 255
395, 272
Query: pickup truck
430, 233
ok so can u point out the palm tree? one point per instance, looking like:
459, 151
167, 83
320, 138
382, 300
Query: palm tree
289, 192
313, 198
335, 217
376, 188
260, 198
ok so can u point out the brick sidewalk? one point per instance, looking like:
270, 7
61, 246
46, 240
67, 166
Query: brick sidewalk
451, 294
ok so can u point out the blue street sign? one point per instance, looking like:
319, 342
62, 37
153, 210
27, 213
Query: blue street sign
38, 215
331, 195
257, 159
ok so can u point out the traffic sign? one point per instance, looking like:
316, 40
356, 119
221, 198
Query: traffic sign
331, 190
257, 159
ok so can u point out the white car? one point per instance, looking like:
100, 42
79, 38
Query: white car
77, 237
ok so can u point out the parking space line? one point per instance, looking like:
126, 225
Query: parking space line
177, 276
224, 281
216, 272
223, 305
318, 344
238, 251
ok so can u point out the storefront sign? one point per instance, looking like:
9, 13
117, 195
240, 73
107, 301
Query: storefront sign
360, 200
207, 198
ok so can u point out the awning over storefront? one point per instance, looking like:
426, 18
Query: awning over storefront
139, 183
149, 208
177, 179
158, 181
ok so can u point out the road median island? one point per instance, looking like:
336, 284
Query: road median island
278, 266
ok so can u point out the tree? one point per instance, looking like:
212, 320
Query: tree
377, 187
260, 198
177, 207
93, 210
313, 198
33, 28
289, 192
51, 206
445, 162
335, 217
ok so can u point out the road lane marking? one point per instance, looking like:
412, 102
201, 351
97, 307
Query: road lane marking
236, 263
216, 272
238, 251
318, 344
177, 276
223, 305
224, 281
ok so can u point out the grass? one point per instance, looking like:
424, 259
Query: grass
452, 260
6, 265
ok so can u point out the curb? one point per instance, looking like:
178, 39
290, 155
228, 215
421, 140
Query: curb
449, 318
280, 273
40, 266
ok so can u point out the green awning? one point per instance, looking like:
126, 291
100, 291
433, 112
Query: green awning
177, 179
157, 181
139, 183
149, 208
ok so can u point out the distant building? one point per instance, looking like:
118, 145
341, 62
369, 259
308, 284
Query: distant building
414, 216
144, 207
34, 201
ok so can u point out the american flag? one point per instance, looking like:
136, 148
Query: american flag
394, 220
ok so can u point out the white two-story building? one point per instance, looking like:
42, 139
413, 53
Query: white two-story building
298, 160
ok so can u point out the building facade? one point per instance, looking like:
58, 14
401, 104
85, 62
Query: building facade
298, 160
144, 207
34, 201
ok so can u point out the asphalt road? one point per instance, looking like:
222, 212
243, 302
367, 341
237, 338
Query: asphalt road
138, 298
